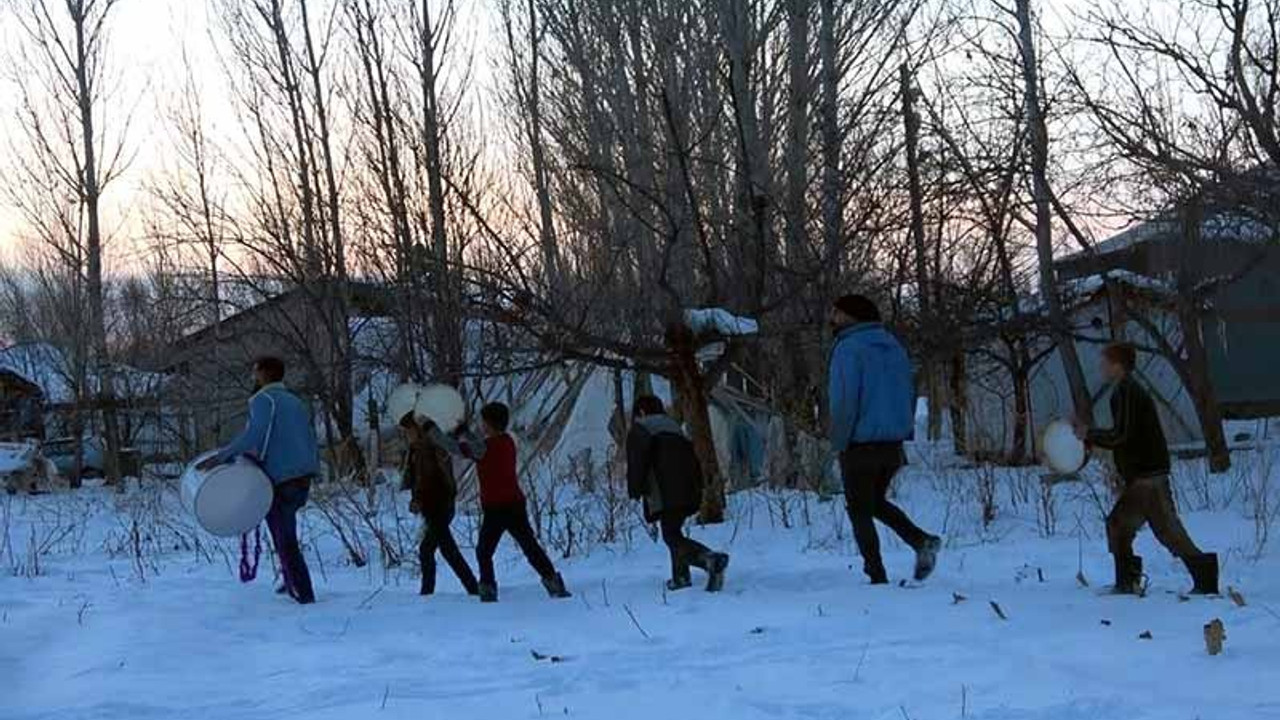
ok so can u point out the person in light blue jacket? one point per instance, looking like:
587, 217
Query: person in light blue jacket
280, 438
872, 399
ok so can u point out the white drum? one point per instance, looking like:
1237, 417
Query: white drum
227, 500
1063, 452
441, 404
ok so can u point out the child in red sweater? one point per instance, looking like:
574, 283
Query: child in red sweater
503, 504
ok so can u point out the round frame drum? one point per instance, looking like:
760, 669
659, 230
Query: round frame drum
226, 500
1063, 452
441, 404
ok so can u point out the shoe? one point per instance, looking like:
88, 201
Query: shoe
282, 590
927, 557
679, 583
1128, 576
428, 586
488, 593
716, 564
1204, 573
555, 586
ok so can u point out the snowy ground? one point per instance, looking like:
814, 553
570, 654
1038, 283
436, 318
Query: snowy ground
797, 633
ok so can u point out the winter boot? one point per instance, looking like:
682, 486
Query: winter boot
716, 564
282, 589
679, 580
488, 593
875, 573
927, 557
1204, 572
428, 579
1128, 576
555, 586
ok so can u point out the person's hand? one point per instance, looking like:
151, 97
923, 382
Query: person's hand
207, 464
413, 507
1082, 430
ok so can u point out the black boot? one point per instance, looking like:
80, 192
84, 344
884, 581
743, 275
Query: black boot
716, 564
488, 593
680, 580
1204, 573
428, 579
555, 586
927, 557
1128, 575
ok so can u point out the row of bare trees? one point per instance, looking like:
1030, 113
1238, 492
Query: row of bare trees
570, 177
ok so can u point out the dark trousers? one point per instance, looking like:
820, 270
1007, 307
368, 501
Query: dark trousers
436, 535
868, 471
510, 518
1148, 500
282, 521
685, 551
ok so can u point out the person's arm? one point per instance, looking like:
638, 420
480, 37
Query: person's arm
1122, 422
251, 439
637, 462
472, 446
844, 387
443, 440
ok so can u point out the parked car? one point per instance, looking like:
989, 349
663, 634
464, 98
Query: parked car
62, 453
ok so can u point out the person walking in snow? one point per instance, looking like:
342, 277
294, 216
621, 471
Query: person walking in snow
663, 471
1141, 456
428, 475
280, 438
872, 400
503, 503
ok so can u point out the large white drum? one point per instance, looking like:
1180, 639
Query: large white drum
226, 500
439, 403
1063, 452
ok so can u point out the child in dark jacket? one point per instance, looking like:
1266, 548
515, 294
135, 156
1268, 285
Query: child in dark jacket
1141, 455
503, 504
428, 475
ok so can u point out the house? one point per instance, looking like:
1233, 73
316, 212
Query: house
1122, 286
211, 366
21, 407
39, 399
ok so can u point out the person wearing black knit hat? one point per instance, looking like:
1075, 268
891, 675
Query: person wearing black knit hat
872, 399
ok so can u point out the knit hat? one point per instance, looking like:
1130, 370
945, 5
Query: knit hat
859, 307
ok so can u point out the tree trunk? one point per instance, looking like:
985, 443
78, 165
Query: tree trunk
1039, 135
691, 388
91, 195
959, 403
929, 371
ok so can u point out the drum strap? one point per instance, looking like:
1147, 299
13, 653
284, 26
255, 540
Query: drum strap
250, 571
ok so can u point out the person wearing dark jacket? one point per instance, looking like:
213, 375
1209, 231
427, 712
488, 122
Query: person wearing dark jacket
428, 475
872, 401
503, 504
1141, 456
663, 471
280, 438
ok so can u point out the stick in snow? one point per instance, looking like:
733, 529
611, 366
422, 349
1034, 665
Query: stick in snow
364, 604
386, 693
636, 622
995, 606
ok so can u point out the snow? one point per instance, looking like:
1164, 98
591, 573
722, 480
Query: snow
797, 633
720, 321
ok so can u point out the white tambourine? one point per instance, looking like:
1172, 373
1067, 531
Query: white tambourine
441, 404
1063, 452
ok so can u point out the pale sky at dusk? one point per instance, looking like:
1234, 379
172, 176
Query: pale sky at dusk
147, 41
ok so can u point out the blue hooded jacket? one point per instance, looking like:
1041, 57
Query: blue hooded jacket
871, 392
279, 435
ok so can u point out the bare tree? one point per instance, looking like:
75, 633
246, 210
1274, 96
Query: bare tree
64, 89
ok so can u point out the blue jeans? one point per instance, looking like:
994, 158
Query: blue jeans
282, 520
